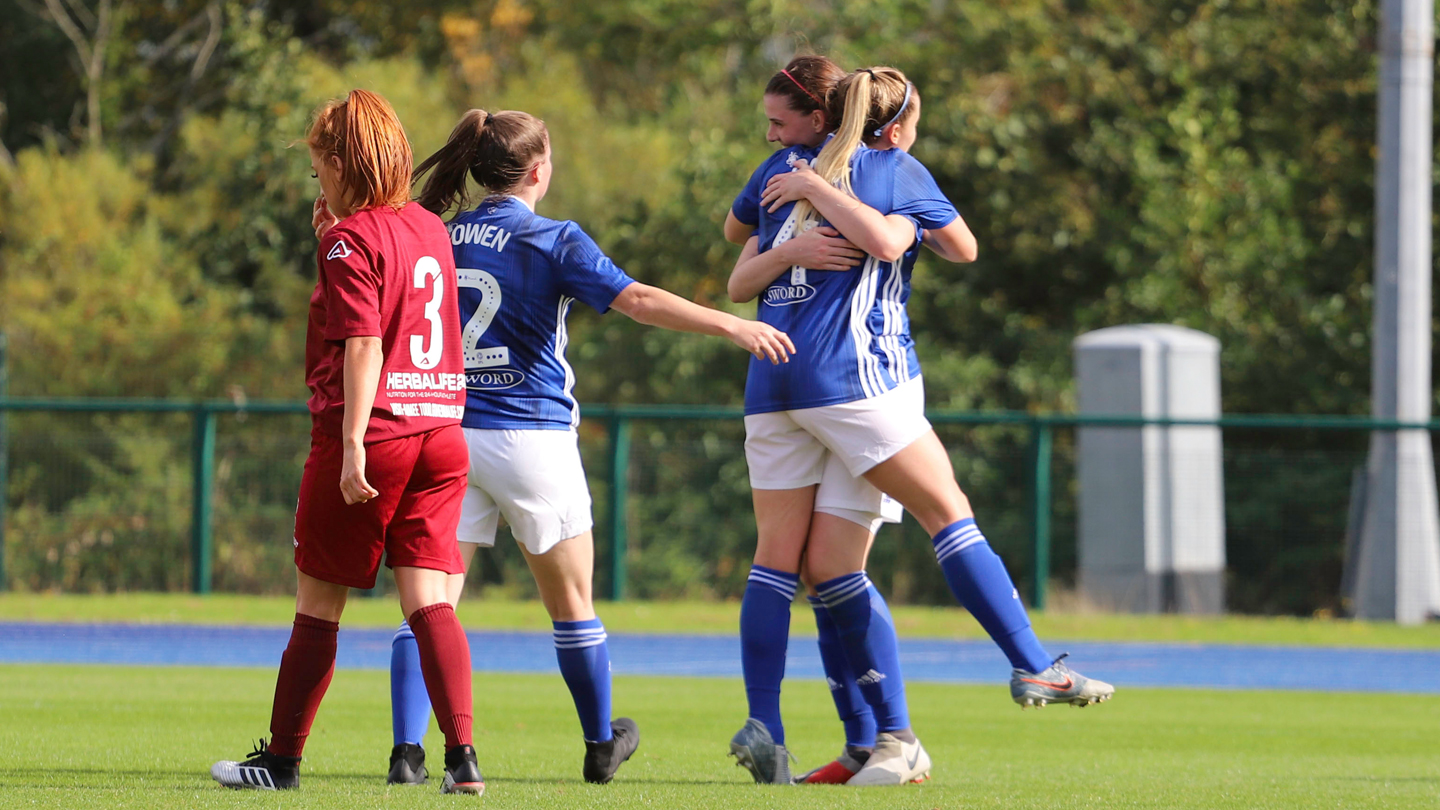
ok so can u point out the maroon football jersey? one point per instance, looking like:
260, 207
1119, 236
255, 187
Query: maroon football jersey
388, 274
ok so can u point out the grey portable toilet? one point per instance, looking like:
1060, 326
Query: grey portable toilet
1151, 499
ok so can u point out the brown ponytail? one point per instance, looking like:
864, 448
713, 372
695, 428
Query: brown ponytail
364, 133
496, 150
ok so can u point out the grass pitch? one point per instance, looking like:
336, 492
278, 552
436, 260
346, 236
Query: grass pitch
144, 737
911, 621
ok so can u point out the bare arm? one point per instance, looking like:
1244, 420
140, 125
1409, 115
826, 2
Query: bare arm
886, 237
363, 360
953, 243
653, 306
820, 248
736, 232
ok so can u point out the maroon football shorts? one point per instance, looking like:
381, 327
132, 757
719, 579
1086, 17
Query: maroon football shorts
421, 481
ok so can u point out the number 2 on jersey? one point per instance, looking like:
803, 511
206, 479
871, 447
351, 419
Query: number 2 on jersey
426, 269
489, 288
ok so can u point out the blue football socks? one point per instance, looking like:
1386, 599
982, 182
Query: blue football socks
854, 712
585, 665
867, 634
977, 577
409, 702
764, 637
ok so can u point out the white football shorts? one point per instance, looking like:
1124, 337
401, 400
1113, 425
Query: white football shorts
833, 445
532, 477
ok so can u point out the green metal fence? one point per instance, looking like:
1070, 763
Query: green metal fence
704, 440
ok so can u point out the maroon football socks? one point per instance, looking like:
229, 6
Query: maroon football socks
305, 672
445, 662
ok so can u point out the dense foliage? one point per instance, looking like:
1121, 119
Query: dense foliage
1206, 163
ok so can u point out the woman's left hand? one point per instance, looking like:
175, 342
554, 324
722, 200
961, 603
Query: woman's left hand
353, 485
797, 184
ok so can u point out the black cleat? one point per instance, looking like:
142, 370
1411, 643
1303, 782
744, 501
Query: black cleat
407, 765
603, 759
261, 771
462, 772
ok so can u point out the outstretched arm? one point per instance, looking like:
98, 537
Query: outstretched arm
655, 307
886, 237
820, 248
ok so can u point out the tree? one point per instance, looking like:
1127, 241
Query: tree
89, 32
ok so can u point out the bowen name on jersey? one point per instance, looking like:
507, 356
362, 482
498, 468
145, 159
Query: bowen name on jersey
484, 235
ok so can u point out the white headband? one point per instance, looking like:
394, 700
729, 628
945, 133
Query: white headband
899, 112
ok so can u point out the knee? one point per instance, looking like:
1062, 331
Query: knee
572, 606
946, 508
820, 569
778, 558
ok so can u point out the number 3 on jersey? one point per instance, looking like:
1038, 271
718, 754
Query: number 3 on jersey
425, 270
489, 289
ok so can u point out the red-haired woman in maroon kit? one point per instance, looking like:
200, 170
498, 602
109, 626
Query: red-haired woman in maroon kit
387, 464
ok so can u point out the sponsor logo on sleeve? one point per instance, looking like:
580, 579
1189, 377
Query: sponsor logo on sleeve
339, 251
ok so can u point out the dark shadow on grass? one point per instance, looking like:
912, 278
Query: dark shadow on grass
107, 771
542, 780
202, 777
1374, 779
491, 779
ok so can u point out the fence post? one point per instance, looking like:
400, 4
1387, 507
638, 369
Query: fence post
1041, 440
4, 451
619, 496
202, 495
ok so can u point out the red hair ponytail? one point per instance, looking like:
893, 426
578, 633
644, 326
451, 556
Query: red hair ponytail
375, 160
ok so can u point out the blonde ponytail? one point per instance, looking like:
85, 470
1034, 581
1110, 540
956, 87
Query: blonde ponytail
869, 97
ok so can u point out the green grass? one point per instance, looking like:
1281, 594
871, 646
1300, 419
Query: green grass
719, 617
144, 737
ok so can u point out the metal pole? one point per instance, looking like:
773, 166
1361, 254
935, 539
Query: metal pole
4, 451
1041, 442
202, 495
1398, 570
619, 497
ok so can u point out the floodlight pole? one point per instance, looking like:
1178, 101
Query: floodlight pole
1398, 573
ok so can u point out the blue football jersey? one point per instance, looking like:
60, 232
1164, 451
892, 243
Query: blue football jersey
746, 207
850, 329
518, 274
